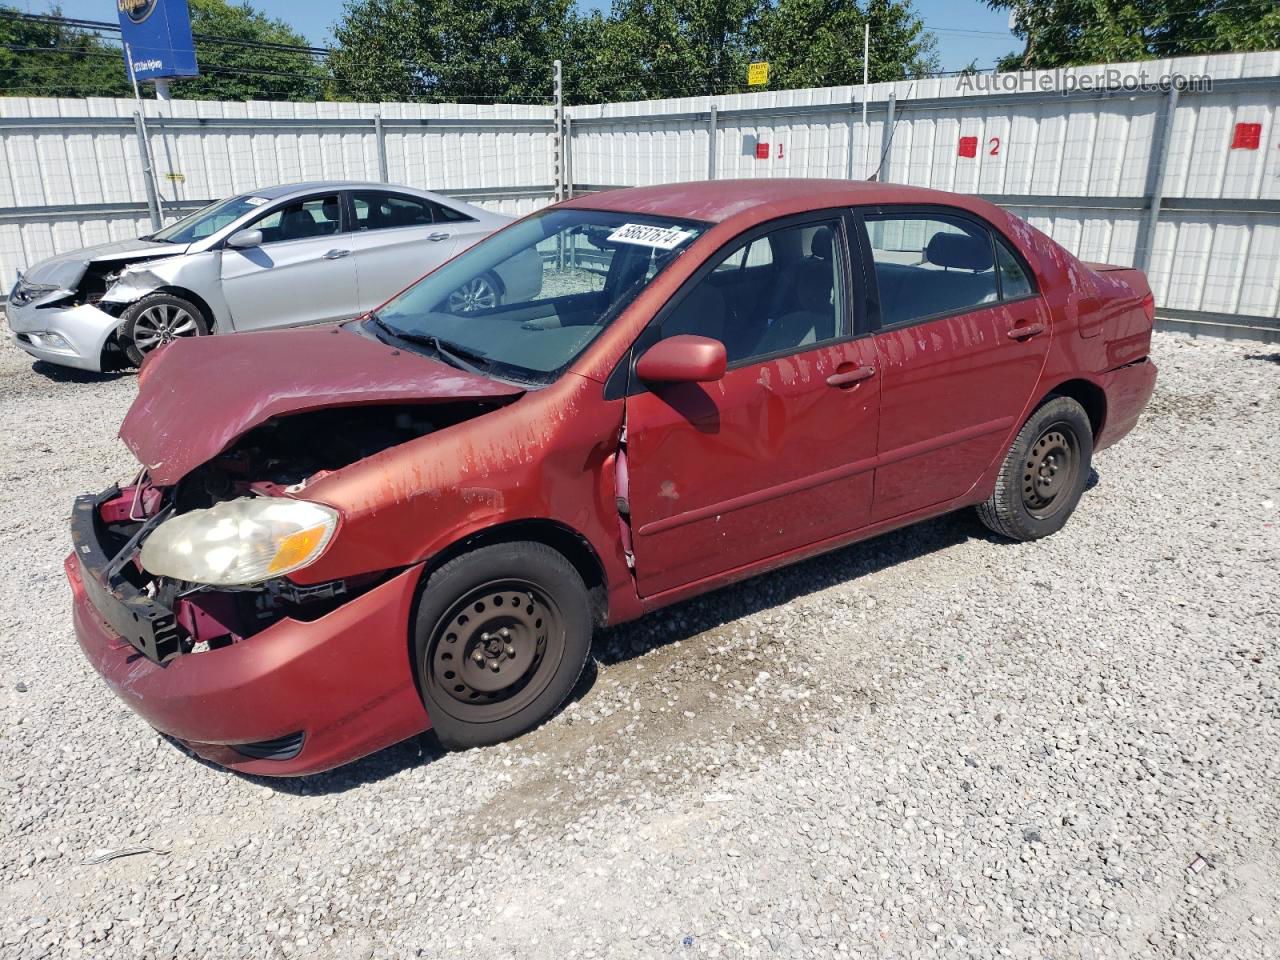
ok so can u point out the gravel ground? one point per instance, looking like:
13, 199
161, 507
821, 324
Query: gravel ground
931, 744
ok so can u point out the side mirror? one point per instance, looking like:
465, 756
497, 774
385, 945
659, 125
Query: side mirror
244, 239
683, 359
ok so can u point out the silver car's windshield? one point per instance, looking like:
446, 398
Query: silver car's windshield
525, 302
208, 220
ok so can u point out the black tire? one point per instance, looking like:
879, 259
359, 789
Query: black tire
1043, 474
500, 639
157, 319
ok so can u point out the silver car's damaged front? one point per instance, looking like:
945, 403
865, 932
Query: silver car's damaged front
67, 309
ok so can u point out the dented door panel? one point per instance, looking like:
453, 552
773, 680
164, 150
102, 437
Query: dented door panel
768, 459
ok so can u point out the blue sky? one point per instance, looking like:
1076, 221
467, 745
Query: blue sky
966, 29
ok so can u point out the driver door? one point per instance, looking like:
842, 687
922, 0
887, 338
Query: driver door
779, 453
302, 272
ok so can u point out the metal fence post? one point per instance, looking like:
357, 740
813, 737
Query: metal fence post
148, 173
848, 160
568, 161
380, 134
882, 172
711, 144
557, 147
1154, 192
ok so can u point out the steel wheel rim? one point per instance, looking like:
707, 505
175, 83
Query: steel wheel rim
476, 294
1050, 470
160, 324
494, 650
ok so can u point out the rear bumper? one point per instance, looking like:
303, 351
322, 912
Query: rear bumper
1128, 389
343, 681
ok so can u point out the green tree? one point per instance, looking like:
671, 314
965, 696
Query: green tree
242, 55
239, 52
450, 50
661, 48
818, 43
1062, 33
44, 59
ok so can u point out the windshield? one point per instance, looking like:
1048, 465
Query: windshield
208, 220
526, 301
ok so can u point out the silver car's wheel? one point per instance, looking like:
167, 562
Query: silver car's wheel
157, 320
480, 293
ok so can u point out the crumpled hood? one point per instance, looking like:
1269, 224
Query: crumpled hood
65, 270
198, 396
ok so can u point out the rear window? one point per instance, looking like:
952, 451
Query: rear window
930, 264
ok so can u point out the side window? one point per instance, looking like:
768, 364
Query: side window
929, 264
1014, 281
384, 211
780, 292
302, 220
445, 214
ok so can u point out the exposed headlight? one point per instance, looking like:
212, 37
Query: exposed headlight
239, 542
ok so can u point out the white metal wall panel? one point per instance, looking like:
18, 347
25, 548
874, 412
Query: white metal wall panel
1213, 261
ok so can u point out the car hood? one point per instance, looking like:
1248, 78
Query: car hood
197, 397
65, 270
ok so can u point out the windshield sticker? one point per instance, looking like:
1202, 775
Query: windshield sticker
255, 201
663, 238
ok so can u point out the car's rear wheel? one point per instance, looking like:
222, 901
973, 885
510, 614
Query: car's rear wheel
501, 637
1043, 474
158, 319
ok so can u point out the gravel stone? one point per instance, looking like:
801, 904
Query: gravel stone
930, 744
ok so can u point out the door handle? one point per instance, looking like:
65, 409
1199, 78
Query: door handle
850, 377
337, 254
1027, 331
437, 236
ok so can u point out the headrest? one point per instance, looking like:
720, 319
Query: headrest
820, 245
958, 250
329, 209
813, 286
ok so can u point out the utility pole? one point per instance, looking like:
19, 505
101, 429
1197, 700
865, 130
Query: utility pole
558, 135
866, 73
144, 148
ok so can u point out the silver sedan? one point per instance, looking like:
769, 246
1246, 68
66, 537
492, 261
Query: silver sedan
282, 256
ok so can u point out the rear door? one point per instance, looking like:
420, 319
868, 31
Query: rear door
397, 238
962, 338
301, 273
780, 452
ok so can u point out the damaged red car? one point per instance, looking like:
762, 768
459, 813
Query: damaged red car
340, 537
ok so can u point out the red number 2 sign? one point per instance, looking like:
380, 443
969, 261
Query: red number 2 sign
995, 146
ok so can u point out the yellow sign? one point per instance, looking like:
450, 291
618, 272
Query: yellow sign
175, 177
757, 74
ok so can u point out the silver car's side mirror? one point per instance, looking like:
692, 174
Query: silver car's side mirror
244, 239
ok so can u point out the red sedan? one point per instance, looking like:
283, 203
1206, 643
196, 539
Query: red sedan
343, 536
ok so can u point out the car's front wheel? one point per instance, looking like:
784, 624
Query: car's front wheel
477, 294
1043, 474
502, 635
157, 319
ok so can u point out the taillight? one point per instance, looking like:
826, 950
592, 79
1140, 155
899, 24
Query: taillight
1149, 307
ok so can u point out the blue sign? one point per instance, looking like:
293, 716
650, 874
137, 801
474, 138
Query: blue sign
158, 38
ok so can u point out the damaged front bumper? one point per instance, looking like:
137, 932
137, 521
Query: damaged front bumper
296, 698
71, 335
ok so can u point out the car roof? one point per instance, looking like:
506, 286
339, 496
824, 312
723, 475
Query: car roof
289, 189
715, 201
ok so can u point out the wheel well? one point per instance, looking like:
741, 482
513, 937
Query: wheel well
568, 542
1088, 395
